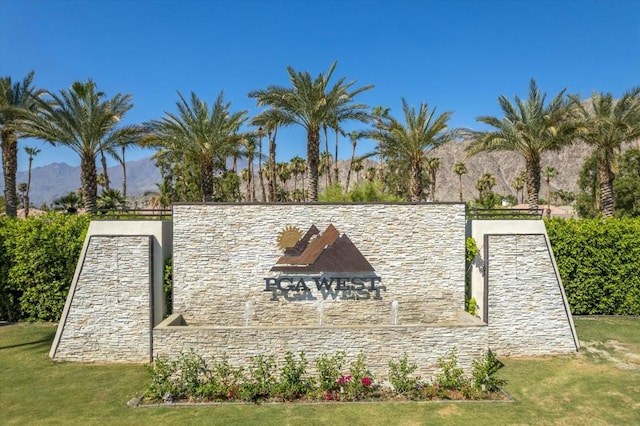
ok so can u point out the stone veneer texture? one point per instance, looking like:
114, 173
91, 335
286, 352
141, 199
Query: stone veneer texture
223, 252
109, 317
527, 315
423, 344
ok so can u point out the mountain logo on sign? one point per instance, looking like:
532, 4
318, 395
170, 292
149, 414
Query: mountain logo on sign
316, 252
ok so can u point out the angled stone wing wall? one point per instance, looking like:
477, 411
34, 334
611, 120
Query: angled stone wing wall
108, 316
528, 313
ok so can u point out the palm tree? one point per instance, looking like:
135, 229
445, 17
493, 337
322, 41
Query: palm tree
31, 152
80, 119
528, 128
70, 203
284, 174
123, 163
460, 169
296, 165
433, 165
371, 174
111, 199
485, 185
272, 133
310, 104
14, 98
260, 135
380, 114
411, 142
199, 136
354, 136
358, 167
325, 167
606, 126
518, 184
22, 188
248, 142
548, 173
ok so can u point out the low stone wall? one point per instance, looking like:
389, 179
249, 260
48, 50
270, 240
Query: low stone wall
423, 344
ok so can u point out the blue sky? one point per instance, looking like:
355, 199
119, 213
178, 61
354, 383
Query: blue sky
455, 55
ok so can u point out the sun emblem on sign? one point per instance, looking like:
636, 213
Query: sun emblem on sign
288, 237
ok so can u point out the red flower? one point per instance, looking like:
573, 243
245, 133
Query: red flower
329, 396
366, 381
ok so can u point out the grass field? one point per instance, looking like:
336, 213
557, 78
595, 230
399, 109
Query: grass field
600, 385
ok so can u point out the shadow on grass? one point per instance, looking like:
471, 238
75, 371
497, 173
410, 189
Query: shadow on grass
45, 341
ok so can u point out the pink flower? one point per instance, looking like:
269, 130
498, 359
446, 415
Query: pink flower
329, 396
366, 381
344, 379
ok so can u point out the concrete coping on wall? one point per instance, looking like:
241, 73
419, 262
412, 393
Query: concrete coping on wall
177, 322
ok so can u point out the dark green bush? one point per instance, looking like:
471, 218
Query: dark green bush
38, 260
599, 263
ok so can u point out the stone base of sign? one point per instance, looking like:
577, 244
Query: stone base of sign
424, 344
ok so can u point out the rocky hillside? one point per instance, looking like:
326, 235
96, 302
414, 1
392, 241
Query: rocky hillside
56, 179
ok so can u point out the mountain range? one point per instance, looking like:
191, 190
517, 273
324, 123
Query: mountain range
56, 179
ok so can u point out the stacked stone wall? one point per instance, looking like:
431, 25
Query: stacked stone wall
223, 253
109, 317
424, 345
528, 314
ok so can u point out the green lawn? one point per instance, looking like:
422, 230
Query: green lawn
600, 385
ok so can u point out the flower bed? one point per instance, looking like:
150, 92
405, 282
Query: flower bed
191, 379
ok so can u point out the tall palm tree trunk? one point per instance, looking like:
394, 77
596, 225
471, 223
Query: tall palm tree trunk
415, 184
251, 184
313, 154
26, 195
103, 160
335, 161
260, 174
327, 165
460, 185
89, 182
9, 170
272, 165
533, 182
353, 156
124, 175
207, 181
606, 184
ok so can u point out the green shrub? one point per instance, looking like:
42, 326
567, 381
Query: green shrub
293, 381
262, 380
329, 371
451, 375
484, 370
224, 381
163, 386
401, 376
598, 262
39, 259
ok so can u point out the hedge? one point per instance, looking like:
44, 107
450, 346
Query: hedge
599, 263
38, 257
